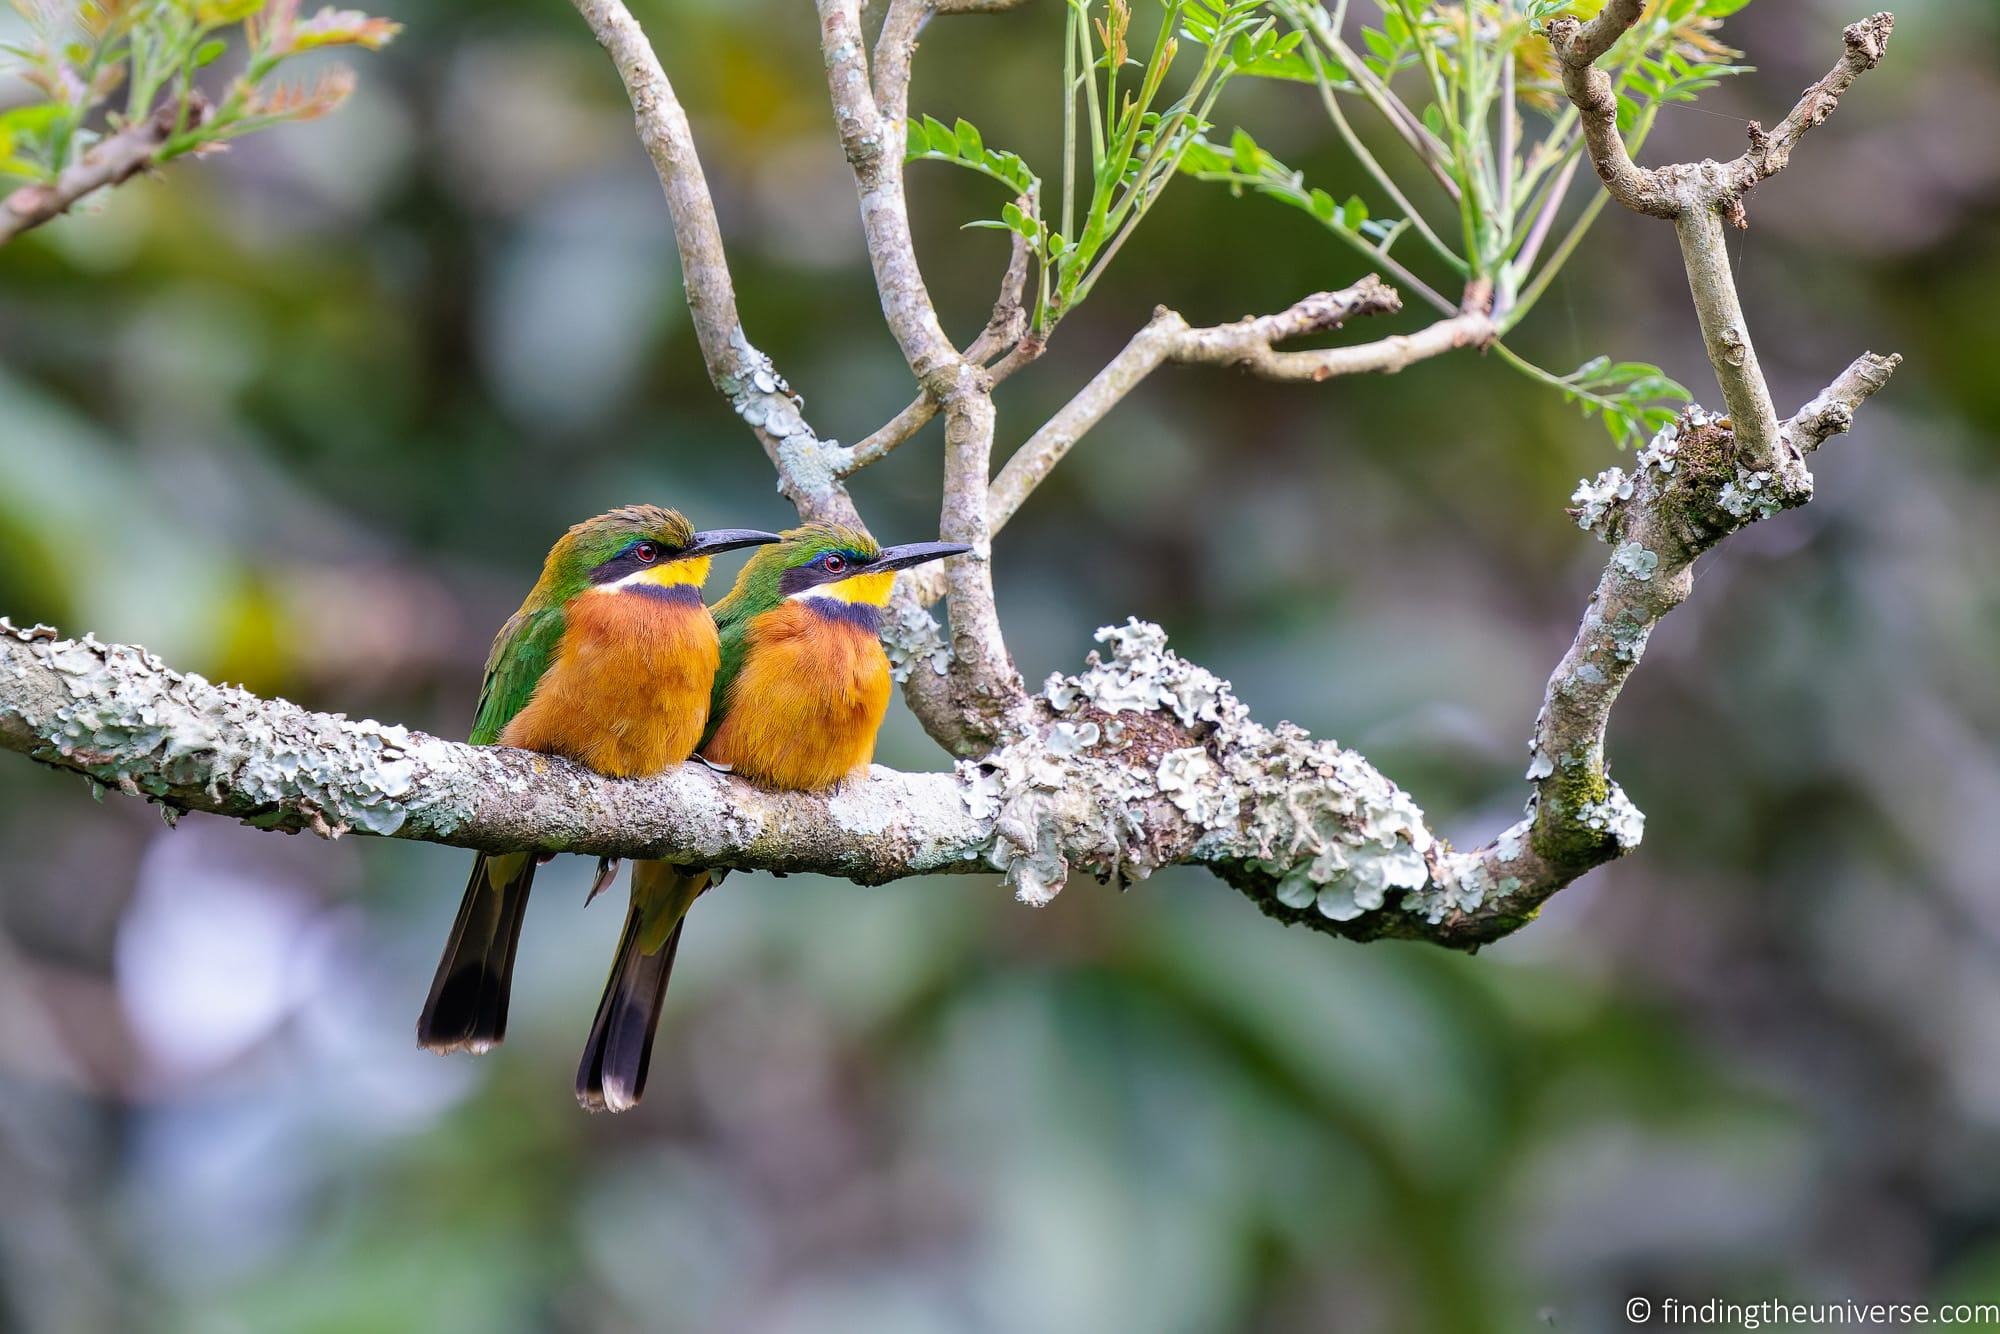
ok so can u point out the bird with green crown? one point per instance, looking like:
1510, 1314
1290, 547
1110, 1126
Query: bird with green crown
609, 662
800, 693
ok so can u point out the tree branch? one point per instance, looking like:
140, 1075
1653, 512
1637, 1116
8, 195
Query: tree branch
118, 714
1139, 761
1004, 330
1699, 197
982, 682
1577, 48
113, 161
745, 376
1768, 153
1669, 192
739, 371
1831, 411
1249, 344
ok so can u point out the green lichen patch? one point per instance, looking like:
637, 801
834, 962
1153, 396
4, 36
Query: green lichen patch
1560, 834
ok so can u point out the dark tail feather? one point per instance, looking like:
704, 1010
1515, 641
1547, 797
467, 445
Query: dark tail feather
467, 1009
612, 1075
607, 871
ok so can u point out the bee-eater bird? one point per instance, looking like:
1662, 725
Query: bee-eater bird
800, 694
609, 662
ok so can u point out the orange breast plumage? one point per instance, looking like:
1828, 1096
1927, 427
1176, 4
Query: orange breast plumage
627, 693
803, 710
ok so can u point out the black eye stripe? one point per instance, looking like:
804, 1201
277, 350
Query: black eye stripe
817, 571
628, 560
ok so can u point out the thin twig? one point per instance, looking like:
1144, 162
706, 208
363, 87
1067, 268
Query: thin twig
1004, 330
1700, 197
110, 162
1249, 344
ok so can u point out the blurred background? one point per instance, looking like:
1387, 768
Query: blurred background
307, 416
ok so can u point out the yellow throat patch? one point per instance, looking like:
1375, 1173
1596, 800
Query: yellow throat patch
693, 570
872, 589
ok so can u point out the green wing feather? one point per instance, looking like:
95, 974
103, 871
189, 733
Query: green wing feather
732, 629
521, 653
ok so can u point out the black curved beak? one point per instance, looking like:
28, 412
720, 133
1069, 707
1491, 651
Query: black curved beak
727, 539
914, 553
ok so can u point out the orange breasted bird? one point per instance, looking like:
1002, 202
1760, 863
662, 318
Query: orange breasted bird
610, 662
800, 694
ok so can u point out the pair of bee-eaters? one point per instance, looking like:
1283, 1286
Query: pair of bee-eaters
614, 662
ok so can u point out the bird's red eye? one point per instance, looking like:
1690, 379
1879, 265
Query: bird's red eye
646, 552
835, 564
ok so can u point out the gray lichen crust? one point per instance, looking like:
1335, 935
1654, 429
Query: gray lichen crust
126, 720
1140, 760
1152, 759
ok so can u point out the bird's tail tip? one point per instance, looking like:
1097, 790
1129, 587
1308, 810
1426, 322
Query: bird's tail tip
466, 1010
611, 1077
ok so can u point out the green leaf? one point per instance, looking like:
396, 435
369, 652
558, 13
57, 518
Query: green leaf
1244, 152
942, 140
209, 51
226, 11
1201, 156
1290, 65
32, 119
931, 139
1632, 398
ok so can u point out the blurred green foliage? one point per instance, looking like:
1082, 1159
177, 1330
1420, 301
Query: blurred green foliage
140, 61
308, 413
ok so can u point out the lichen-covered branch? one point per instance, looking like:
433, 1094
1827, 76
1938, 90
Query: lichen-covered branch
113, 161
121, 716
1139, 761
1691, 487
